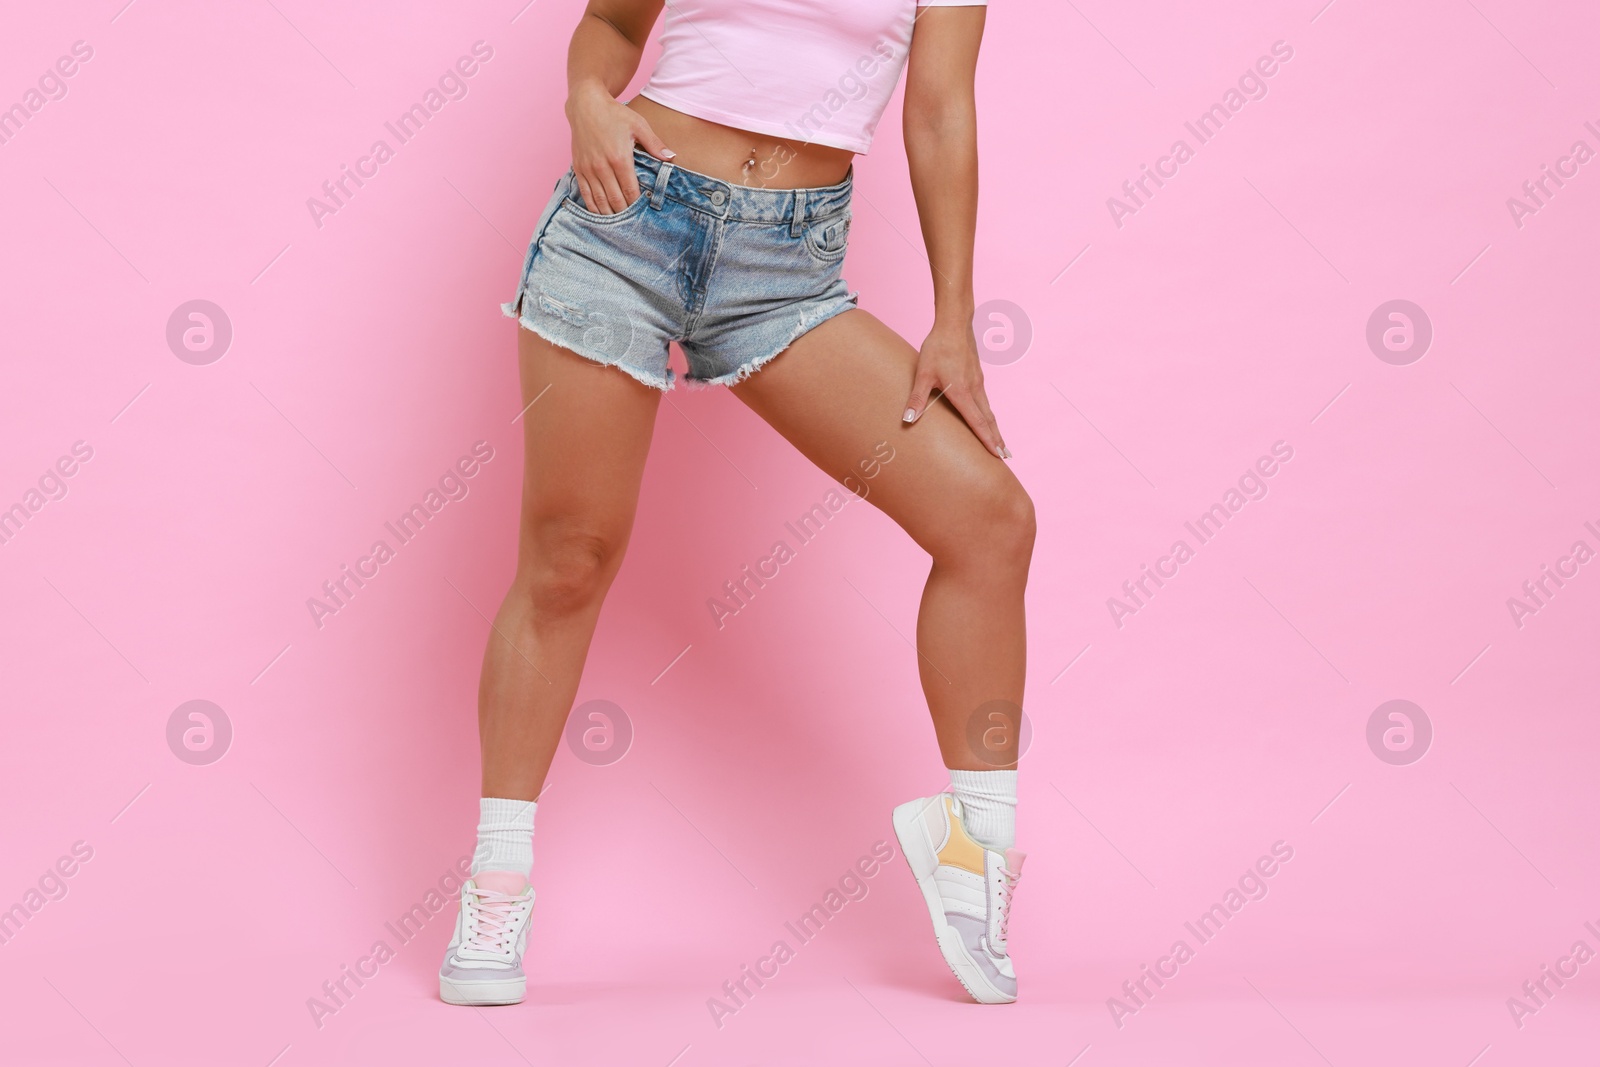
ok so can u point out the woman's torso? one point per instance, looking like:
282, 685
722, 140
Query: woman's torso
779, 94
722, 152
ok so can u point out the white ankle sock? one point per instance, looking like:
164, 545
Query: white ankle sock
988, 806
505, 836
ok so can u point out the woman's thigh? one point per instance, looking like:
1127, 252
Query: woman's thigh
838, 395
586, 430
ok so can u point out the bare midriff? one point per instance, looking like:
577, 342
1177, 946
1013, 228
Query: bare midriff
740, 157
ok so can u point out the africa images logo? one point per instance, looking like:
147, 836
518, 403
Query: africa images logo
451, 85
454, 485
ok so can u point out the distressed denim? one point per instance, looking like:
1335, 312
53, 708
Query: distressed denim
732, 273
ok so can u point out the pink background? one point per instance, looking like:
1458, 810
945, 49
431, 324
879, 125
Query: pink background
1227, 314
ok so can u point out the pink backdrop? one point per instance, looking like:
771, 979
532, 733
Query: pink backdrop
1174, 341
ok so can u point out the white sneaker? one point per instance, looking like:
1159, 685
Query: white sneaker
483, 964
968, 890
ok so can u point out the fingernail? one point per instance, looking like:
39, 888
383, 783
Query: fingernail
909, 416
669, 153
1005, 453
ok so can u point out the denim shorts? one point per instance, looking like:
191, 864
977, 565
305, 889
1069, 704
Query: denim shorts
733, 273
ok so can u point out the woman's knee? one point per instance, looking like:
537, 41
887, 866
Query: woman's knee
1015, 525
568, 565
991, 525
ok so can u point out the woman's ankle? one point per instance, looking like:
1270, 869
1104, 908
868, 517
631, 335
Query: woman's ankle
988, 802
505, 836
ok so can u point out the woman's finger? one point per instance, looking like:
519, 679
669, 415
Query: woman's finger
982, 428
922, 391
613, 191
586, 191
981, 398
646, 136
627, 178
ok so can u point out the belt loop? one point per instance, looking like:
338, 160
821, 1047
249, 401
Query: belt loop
658, 188
798, 222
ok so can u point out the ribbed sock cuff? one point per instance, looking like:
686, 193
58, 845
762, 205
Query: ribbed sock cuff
988, 806
505, 836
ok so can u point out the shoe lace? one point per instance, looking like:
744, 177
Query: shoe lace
492, 919
1006, 892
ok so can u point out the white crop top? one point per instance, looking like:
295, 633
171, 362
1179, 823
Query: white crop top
818, 71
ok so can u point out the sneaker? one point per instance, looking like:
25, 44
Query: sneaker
968, 890
483, 964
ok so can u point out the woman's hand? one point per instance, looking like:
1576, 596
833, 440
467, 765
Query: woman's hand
603, 135
949, 365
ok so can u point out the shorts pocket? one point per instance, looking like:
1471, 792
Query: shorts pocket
574, 204
827, 238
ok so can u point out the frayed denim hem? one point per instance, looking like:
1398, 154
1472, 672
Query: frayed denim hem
512, 311
749, 367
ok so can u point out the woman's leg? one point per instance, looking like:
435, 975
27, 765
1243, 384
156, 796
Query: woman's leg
586, 440
835, 395
587, 430
838, 391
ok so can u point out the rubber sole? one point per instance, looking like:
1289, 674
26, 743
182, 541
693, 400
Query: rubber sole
921, 857
483, 994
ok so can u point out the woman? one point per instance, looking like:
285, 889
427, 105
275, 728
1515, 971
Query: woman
730, 242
